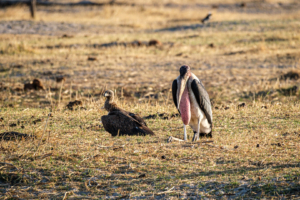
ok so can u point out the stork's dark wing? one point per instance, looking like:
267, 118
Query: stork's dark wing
202, 99
174, 93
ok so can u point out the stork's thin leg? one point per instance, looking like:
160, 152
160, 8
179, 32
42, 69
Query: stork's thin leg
196, 134
198, 129
184, 128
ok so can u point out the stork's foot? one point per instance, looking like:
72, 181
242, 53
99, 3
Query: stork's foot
209, 135
196, 137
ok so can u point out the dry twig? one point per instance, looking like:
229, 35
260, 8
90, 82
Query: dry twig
171, 138
164, 192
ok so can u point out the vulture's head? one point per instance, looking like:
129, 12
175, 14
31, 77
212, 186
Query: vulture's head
109, 94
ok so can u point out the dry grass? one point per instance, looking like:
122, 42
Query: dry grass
240, 57
81, 157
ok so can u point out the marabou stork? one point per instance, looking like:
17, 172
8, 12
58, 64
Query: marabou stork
193, 103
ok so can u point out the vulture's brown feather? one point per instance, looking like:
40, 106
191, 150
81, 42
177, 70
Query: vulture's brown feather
121, 122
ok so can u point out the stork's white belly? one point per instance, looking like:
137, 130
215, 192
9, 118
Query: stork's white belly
195, 111
196, 115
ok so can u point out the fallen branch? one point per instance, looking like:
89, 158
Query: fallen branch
174, 139
164, 192
210, 141
69, 193
212, 145
105, 146
171, 138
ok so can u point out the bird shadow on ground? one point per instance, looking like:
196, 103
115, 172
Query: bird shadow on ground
219, 25
181, 28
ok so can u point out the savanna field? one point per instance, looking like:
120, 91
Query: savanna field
247, 56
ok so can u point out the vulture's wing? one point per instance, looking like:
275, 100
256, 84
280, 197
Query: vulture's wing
139, 127
137, 118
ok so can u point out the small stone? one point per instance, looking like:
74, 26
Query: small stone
60, 79
92, 58
142, 176
67, 36
35, 85
241, 105
36, 121
220, 192
243, 4
18, 66
211, 45
154, 43
72, 104
13, 125
280, 144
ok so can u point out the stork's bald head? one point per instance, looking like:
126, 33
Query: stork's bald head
185, 71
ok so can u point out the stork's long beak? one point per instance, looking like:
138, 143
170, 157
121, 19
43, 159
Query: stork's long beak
182, 83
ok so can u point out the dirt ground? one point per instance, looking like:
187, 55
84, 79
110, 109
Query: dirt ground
248, 52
